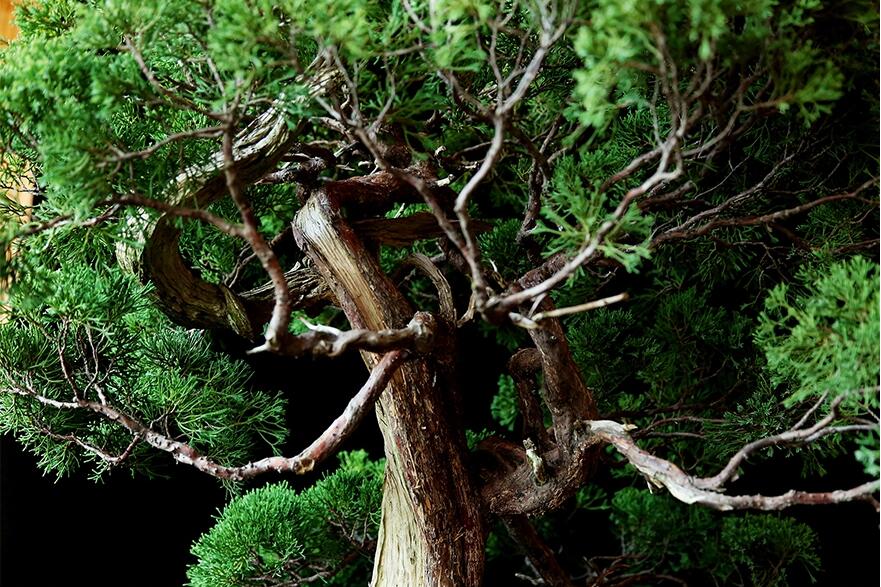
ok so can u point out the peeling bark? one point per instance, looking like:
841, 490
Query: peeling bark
431, 531
182, 294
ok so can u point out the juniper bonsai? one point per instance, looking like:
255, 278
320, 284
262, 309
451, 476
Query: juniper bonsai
664, 212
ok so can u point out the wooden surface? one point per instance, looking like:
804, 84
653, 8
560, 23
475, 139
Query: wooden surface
7, 30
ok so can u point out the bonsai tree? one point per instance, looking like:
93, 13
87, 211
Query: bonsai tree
664, 214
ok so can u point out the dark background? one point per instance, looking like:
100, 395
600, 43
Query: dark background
138, 532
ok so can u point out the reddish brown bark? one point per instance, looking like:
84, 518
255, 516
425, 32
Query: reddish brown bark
431, 531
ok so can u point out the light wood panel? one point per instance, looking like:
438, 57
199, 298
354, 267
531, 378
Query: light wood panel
7, 29
8, 32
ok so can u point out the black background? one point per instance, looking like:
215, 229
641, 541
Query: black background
138, 532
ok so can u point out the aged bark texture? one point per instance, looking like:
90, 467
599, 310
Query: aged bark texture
431, 531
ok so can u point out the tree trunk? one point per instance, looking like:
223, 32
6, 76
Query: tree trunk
431, 531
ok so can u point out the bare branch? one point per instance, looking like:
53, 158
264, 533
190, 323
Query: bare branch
281, 313
688, 489
418, 335
680, 233
181, 212
323, 447
601, 303
172, 97
113, 460
795, 435
330, 440
445, 294
207, 132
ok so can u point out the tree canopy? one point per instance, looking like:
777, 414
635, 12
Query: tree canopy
661, 214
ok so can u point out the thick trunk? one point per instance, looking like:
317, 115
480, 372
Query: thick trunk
431, 531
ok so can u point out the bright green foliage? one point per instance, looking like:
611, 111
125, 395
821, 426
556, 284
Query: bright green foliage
276, 535
504, 405
622, 33
93, 327
826, 338
574, 213
732, 550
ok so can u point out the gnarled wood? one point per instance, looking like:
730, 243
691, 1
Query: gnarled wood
183, 295
431, 531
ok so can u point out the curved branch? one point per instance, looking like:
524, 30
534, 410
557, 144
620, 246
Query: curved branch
184, 296
323, 447
418, 335
688, 489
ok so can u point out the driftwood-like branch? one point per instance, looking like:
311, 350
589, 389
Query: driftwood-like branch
417, 336
510, 486
423, 443
323, 447
403, 232
281, 311
534, 320
689, 489
183, 295
444, 293
308, 291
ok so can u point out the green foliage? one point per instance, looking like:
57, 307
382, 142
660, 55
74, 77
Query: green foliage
676, 345
623, 35
591, 497
116, 98
573, 213
505, 406
767, 548
275, 535
94, 327
671, 537
662, 531
473, 438
868, 453
502, 251
206, 397
823, 337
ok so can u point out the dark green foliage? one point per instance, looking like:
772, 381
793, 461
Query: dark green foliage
677, 345
503, 251
666, 536
275, 535
766, 550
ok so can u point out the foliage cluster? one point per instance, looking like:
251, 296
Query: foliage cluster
738, 320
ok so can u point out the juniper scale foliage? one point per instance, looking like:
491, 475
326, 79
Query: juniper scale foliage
661, 214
